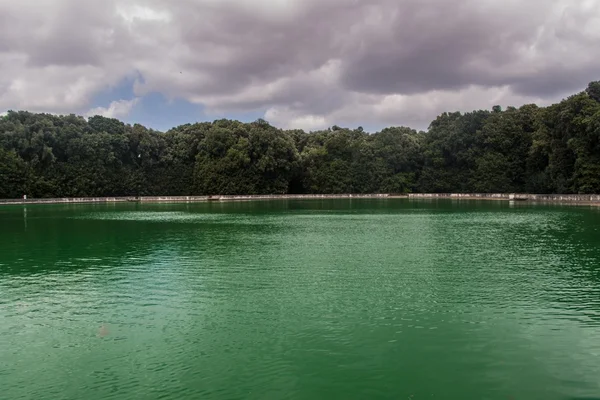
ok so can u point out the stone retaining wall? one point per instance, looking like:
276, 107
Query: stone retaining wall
495, 196
186, 199
572, 198
65, 200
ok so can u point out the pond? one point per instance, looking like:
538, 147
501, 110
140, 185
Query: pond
300, 299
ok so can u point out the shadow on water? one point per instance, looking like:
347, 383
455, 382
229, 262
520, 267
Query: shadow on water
46, 239
35, 238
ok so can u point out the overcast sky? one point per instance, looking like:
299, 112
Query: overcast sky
297, 63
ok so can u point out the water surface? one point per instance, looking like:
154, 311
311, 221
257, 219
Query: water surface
313, 299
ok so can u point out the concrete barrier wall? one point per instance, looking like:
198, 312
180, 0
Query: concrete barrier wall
585, 198
573, 198
186, 199
170, 199
496, 196
298, 196
65, 200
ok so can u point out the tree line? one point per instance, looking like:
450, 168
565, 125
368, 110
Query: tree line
533, 149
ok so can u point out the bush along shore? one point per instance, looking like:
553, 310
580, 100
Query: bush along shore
529, 149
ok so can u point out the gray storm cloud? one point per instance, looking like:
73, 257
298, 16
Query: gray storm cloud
311, 63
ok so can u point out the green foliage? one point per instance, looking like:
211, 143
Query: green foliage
13, 175
503, 145
237, 158
109, 125
593, 90
532, 149
450, 149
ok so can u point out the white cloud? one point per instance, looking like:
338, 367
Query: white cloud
288, 119
116, 109
415, 111
133, 12
309, 63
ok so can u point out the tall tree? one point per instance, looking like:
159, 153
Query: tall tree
551, 149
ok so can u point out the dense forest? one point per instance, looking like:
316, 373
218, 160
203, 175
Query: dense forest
532, 149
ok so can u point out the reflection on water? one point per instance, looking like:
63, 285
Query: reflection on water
344, 299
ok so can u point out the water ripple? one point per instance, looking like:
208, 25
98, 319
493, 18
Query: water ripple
301, 301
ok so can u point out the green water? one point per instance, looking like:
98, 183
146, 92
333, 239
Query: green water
336, 299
